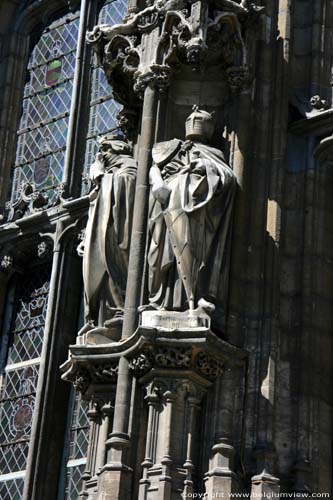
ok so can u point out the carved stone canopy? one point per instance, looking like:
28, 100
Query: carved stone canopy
197, 354
150, 45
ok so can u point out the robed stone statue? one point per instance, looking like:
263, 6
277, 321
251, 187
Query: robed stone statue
192, 193
106, 245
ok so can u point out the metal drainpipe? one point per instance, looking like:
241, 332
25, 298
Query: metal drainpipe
73, 125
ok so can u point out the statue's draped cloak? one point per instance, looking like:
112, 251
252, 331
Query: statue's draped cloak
107, 238
196, 219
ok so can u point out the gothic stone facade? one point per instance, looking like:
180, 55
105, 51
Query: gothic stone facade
193, 354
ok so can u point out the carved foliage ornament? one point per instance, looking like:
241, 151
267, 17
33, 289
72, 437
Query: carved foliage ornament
98, 373
31, 200
149, 45
182, 358
7, 262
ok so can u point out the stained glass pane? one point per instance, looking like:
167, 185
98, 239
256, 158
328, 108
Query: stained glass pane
61, 68
42, 141
79, 431
20, 382
73, 481
77, 445
112, 12
19, 378
104, 116
58, 38
12, 489
104, 109
100, 86
49, 104
43, 126
14, 454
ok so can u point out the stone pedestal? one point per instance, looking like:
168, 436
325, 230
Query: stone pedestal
176, 367
265, 485
221, 479
196, 318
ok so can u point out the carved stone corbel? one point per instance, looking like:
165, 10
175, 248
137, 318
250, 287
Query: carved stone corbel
91, 377
151, 44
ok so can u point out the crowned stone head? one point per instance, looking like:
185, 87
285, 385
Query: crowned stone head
199, 126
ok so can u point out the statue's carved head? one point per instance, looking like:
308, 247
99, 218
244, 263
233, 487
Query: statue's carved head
114, 143
199, 126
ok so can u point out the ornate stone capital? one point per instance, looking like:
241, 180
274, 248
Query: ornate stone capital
151, 44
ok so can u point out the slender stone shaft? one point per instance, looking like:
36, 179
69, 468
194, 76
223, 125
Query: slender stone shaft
137, 255
138, 241
119, 437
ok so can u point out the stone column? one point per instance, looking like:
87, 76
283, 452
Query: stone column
15, 48
171, 451
153, 401
116, 469
165, 480
194, 408
94, 415
53, 394
100, 414
6, 271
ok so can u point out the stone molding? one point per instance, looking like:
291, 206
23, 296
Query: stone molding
197, 354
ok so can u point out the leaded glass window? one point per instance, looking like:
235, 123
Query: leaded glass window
46, 104
77, 444
103, 108
21, 349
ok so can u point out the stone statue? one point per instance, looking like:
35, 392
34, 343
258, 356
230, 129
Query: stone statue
106, 244
192, 192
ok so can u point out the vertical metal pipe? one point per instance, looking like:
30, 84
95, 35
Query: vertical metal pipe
80, 67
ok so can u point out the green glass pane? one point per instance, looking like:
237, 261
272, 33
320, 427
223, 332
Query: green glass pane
53, 72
